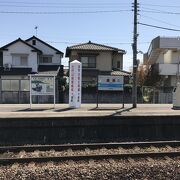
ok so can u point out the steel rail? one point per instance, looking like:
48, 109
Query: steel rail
62, 147
8, 161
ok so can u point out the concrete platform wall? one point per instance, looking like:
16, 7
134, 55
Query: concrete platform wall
88, 129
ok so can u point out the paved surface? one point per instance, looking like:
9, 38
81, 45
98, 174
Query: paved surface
63, 110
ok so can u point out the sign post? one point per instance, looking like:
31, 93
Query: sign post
30, 91
110, 83
42, 85
75, 84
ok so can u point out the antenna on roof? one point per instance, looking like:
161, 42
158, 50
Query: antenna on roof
36, 28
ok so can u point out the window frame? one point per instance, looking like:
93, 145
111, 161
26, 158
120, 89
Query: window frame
41, 60
88, 64
20, 58
33, 42
10, 86
25, 86
118, 63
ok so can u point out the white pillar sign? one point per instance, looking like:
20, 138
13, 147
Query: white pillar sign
75, 77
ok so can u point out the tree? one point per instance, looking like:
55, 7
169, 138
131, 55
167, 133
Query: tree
150, 81
148, 75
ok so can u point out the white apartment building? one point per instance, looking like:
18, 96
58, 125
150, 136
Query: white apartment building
164, 54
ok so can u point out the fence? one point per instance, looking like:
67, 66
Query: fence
146, 94
161, 95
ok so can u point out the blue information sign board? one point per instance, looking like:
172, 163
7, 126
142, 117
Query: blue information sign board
113, 83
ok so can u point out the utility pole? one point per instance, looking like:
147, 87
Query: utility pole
134, 47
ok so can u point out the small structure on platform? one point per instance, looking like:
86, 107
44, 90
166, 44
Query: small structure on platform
176, 97
75, 79
42, 85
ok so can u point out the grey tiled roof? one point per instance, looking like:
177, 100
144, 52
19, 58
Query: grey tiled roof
93, 46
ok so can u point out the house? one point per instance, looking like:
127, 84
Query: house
20, 58
96, 59
164, 58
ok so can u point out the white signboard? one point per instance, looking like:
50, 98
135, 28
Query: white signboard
42, 85
75, 84
110, 83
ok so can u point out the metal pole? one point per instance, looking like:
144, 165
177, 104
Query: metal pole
178, 68
123, 93
54, 92
30, 94
134, 46
97, 93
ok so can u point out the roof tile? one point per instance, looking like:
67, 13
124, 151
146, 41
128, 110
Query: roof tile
93, 46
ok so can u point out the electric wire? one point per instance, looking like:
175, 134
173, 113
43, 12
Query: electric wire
61, 3
157, 11
158, 20
159, 27
63, 12
65, 42
59, 6
158, 5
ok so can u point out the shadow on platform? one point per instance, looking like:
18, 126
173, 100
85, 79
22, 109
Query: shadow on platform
29, 109
104, 109
118, 112
64, 109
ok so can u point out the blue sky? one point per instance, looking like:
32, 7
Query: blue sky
103, 24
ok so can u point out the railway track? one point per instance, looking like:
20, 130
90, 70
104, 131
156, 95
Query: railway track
172, 149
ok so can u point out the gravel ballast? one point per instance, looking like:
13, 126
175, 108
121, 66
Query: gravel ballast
144, 169
70, 152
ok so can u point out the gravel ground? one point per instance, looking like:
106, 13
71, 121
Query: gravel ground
87, 151
141, 169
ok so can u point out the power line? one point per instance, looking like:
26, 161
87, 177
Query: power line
159, 27
63, 12
158, 20
60, 3
159, 11
66, 42
158, 5
59, 6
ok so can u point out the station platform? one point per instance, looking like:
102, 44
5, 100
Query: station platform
44, 124
86, 110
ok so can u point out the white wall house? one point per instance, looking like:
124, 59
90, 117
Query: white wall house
20, 54
50, 55
20, 58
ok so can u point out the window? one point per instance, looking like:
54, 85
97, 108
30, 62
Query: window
33, 42
88, 62
19, 60
45, 59
118, 64
10, 85
24, 85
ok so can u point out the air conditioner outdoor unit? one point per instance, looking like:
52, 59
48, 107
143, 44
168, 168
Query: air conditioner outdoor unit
7, 67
